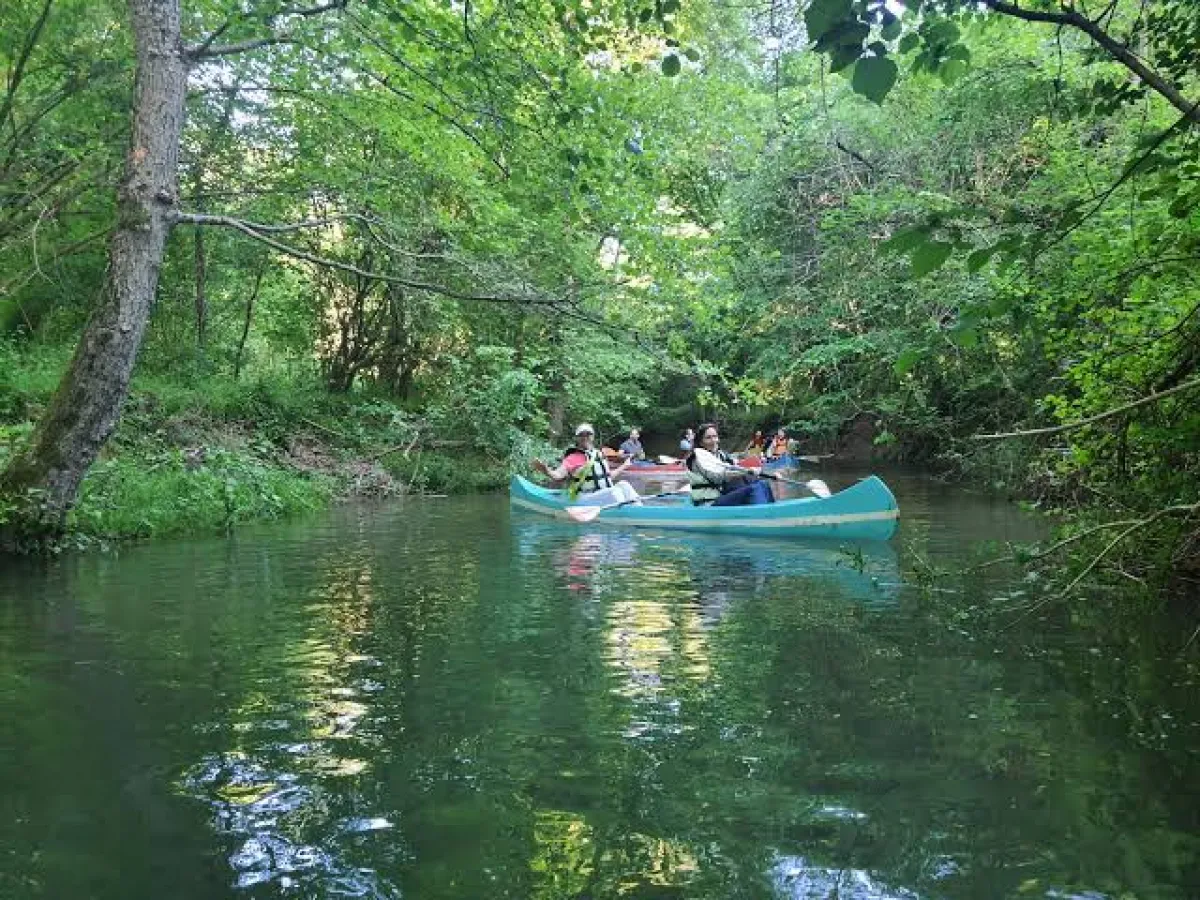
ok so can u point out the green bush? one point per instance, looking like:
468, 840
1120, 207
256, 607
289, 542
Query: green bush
132, 497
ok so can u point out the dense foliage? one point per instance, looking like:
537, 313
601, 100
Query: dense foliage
463, 227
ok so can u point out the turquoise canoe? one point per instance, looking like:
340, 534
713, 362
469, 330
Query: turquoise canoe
864, 511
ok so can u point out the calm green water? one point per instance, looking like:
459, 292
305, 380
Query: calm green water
440, 699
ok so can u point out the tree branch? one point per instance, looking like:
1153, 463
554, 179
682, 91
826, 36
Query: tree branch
240, 47
18, 72
1091, 420
206, 50
1111, 45
258, 233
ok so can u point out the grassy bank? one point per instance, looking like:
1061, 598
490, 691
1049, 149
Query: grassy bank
204, 456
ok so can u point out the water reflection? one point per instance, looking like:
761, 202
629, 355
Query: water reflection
706, 564
794, 878
448, 702
276, 794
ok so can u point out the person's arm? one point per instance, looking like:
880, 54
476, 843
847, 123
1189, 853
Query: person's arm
557, 473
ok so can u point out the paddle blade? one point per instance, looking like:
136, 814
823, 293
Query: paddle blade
583, 514
819, 488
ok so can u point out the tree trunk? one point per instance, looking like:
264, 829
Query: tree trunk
241, 350
42, 481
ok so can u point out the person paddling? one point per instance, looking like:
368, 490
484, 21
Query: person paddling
779, 445
755, 450
716, 480
589, 481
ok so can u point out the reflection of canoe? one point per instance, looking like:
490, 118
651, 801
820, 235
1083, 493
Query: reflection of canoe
865, 571
864, 511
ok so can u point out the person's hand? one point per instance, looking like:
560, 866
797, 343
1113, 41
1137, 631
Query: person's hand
540, 466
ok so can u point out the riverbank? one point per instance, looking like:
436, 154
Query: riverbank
206, 456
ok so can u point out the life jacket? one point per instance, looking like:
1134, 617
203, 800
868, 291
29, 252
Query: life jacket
704, 491
592, 476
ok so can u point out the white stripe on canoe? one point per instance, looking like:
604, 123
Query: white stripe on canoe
794, 522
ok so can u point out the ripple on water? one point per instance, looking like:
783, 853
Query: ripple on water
795, 878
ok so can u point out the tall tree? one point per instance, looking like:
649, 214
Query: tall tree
44, 478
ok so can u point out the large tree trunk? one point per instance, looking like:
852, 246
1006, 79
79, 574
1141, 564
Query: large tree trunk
43, 480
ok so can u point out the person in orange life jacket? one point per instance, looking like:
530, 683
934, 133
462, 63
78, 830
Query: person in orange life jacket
716, 480
779, 445
589, 481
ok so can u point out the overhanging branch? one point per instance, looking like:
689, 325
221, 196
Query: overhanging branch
1111, 45
1091, 420
206, 50
261, 234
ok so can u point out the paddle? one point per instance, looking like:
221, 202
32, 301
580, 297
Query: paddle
585, 514
816, 486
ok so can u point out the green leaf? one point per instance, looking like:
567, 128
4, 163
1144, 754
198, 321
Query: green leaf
823, 15
671, 65
1181, 207
964, 337
846, 34
980, 257
844, 57
942, 32
909, 42
952, 70
692, 53
907, 360
906, 239
891, 30
929, 257
873, 77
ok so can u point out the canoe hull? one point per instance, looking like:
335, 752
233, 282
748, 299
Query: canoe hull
864, 511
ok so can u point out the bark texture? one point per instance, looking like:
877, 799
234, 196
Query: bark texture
41, 483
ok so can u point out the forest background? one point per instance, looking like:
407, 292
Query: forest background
404, 245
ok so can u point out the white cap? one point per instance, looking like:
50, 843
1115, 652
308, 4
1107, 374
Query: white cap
584, 428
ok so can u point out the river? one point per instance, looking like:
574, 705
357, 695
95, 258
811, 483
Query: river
442, 698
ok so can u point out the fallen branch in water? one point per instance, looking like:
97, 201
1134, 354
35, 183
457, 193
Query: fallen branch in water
1041, 554
1134, 525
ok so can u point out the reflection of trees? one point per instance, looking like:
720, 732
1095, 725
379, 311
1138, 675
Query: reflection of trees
834, 741
426, 708
298, 740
